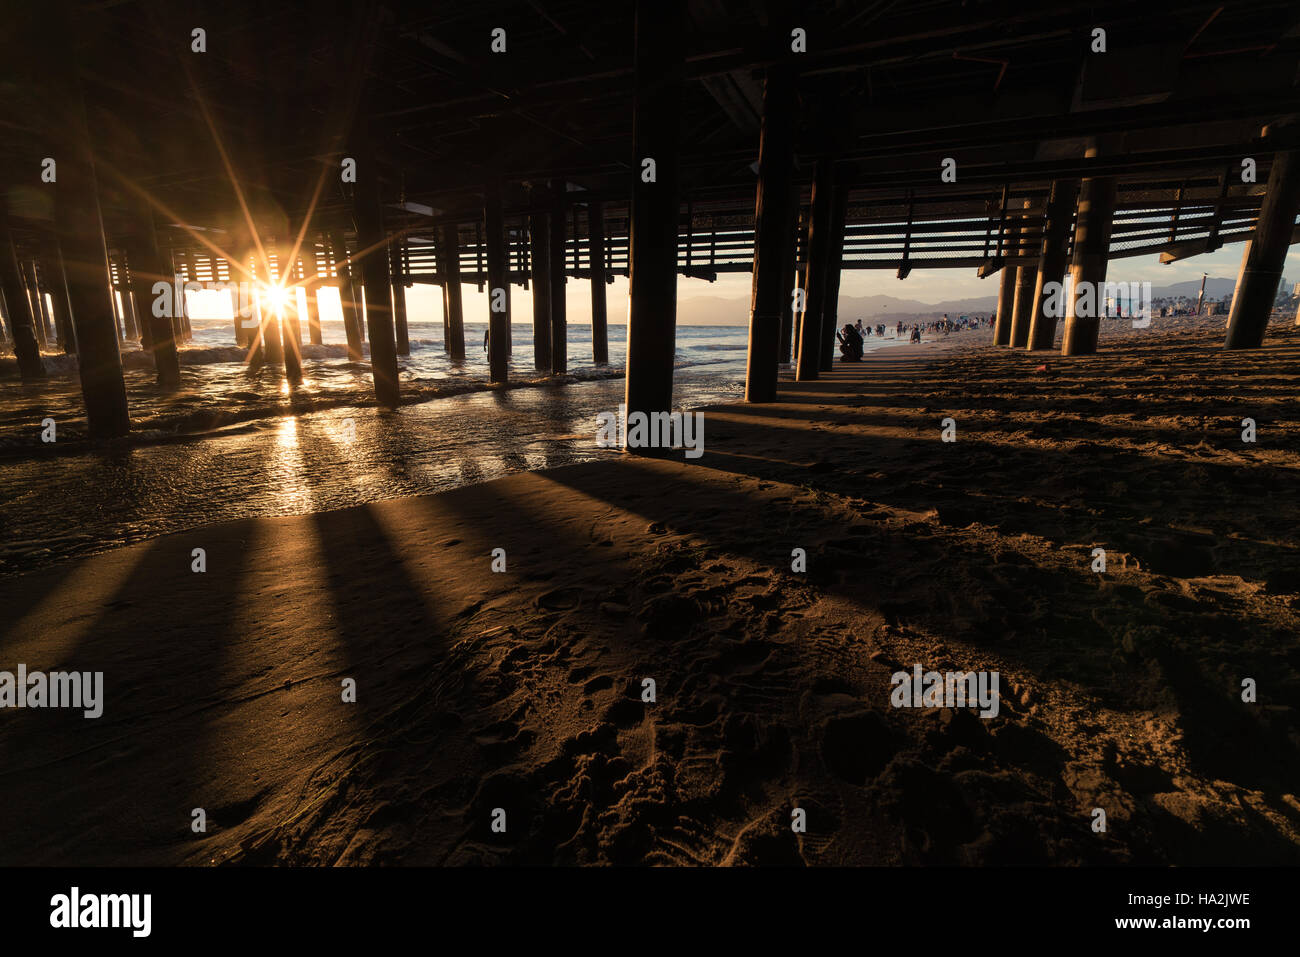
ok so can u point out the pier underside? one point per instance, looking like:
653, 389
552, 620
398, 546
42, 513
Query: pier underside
394, 143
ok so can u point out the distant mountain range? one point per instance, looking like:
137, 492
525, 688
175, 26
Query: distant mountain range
728, 311
1214, 289
724, 311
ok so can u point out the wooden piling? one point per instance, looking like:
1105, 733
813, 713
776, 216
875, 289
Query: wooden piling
498, 287
441, 258
539, 241
290, 326
399, 297
293, 277
119, 314
80, 230
182, 313
257, 319
40, 287
18, 309
652, 249
1089, 260
1023, 308
128, 308
820, 230
147, 268
52, 270
39, 320
1026, 277
479, 270
311, 289
273, 338
131, 331
312, 292
510, 328
596, 255
368, 215
773, 236
1007, 286
510, 331
801, 279
455, 312
347, 298
1052, 261
237, 320
789, 270
834, 262
559, 308
1262, 262
187, 329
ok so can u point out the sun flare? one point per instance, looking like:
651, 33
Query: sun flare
277, 296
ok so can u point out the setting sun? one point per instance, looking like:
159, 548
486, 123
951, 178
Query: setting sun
277, 296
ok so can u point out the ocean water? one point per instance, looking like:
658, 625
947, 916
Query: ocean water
218, 388
236, 443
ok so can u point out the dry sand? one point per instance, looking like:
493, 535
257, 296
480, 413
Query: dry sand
522, 690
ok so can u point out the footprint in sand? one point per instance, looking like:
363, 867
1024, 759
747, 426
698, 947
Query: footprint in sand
599, 683
560, 599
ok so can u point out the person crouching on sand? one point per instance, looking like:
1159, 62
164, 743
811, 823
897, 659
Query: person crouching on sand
916, 334
851, 344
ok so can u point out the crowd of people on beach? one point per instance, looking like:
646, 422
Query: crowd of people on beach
853, 338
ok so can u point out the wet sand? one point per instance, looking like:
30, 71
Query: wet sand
523, 690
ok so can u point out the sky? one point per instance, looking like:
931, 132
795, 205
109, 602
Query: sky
938, 285
926, 285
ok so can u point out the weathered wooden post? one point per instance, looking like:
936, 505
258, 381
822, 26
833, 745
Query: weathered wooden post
39, 289
498, 286
789, 265
18, 309
539, 241
455, 310
1052, 260
801, 279
1088, 262
773, 235
596, 254
372, 241
652, 250
1026, 280
820, 230
147, 269
834, 261
347, 297
290, 328
81, 236
312, 292
559, 308
52, 271
397, 256
130, 330
39, 317
272, 318
1262, 261
1007, 285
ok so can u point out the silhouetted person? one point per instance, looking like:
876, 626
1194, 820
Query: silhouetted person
851, 344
